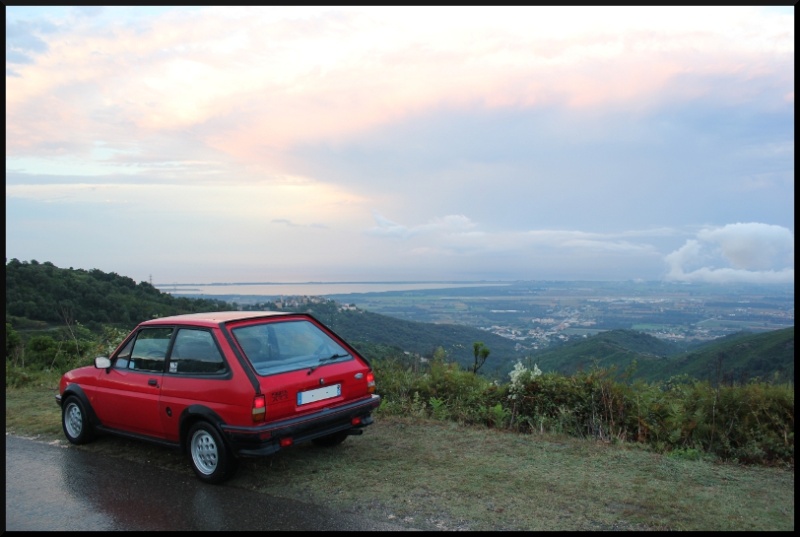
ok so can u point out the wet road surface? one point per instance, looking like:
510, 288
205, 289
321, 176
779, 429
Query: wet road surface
52, 487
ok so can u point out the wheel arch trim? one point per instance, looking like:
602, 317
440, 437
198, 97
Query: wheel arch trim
74, 390
194, 413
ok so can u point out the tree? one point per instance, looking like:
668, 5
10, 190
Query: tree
480, 352
13, 341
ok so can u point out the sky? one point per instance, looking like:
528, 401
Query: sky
385, 143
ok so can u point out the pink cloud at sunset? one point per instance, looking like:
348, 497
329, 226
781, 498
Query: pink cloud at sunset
593, 123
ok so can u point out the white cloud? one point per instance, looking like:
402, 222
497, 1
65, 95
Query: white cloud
516, 141
746, 252
323, 73
454, 223
301, 203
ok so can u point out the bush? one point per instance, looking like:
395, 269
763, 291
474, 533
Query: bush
753, 423
22, 377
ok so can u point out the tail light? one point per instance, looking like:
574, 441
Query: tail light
259, 408
371, 382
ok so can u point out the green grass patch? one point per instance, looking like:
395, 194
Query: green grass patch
442, 476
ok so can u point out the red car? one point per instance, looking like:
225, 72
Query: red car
223, 385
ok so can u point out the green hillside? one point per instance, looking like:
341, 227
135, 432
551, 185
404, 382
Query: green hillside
737, 358
423, 338
613, 348
41, 296
740, 358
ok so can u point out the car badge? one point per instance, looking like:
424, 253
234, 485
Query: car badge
321, 382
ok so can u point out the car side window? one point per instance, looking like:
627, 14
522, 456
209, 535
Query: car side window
123, 358
148, 350
195, 352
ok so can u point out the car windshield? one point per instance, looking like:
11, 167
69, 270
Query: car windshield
288, 345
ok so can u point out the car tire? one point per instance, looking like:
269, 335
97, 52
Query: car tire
211, 459
75, 421
331, 440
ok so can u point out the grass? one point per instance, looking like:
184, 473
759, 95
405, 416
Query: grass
435, 475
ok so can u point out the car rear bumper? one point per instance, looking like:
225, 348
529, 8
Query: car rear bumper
266, 439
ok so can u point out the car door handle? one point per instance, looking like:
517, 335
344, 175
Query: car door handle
152, 382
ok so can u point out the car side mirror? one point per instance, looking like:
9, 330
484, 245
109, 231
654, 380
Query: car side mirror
102, 362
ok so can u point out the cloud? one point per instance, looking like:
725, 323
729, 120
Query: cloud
288, 223
518, 142
363, 67
455, 242
23, 44
293, 204
454, 223
284, 221
744, 252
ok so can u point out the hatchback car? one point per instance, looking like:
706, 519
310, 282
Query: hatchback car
222, 386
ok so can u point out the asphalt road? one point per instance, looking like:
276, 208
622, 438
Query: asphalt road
52, 487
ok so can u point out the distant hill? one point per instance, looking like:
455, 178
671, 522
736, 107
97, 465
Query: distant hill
42, 294
736, 358
359, 326
767, 356
39, 295
613, 348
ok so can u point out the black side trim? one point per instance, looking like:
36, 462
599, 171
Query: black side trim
141, 437
246, 367
264, 439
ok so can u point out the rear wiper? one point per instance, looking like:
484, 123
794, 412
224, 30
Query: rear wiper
326, 359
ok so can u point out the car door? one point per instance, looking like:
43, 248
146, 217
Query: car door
127, 397
197, 374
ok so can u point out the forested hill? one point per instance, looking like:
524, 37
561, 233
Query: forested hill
367, 330
767, 356
41, 295
614, 348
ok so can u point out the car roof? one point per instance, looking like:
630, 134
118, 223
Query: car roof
217, 317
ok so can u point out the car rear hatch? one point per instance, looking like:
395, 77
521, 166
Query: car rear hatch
301, 366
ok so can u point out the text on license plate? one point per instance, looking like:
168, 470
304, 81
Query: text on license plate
319, 394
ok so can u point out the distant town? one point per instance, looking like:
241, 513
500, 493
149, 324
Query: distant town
536, 314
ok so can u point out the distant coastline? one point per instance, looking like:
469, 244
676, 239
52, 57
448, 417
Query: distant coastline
334, 288
276, 289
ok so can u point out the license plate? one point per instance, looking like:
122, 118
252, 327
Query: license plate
319, 394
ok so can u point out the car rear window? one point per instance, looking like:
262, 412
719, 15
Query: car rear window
278, 347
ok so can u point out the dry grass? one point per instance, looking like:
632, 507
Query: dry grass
438, 475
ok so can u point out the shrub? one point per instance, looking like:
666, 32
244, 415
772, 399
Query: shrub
683, 416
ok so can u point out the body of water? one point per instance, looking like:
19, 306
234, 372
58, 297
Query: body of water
310, 288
